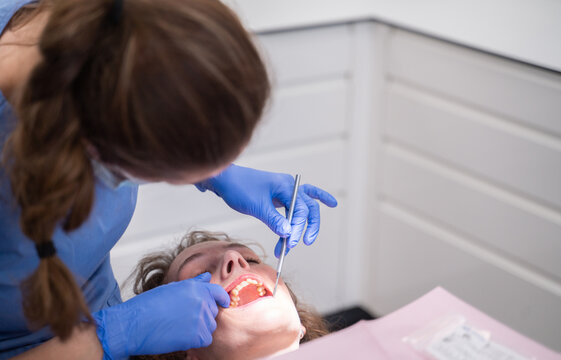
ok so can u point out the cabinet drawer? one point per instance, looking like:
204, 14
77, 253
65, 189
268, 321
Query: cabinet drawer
297, 56
475, 143
483, 213
518, 92
323, 164
302, 114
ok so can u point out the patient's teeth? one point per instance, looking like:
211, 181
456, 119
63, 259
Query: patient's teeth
234, 293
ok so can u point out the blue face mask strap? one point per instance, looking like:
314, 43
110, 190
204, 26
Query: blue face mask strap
106, 176
113, 180
132, 179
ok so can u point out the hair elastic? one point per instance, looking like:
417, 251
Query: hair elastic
45, 249
116, 12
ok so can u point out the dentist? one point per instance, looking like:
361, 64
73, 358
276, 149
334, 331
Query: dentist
96, 96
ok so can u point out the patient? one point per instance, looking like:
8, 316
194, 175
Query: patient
256, 324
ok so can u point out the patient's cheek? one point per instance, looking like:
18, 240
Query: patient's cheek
186, 273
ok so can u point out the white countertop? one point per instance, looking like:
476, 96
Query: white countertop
524, 30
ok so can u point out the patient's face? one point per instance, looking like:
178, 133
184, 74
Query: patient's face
256, 323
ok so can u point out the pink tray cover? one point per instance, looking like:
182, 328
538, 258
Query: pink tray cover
382, 338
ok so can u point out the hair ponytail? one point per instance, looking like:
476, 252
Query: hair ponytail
52, 181
157, 87
50, 173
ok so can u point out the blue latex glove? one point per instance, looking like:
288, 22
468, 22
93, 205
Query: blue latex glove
259, 193
172, 317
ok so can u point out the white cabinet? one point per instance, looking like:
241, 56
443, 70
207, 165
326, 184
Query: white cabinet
470, 189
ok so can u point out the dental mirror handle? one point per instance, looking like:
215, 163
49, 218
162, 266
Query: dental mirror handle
284, 240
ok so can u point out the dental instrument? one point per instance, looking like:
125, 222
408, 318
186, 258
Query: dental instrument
284, 240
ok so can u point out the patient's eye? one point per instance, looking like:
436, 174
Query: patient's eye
252, 260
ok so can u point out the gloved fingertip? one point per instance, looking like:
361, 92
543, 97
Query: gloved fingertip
279, 252
205, 338
331, 201
294, 239
219, 295
310, 236
286, 228
225, 301
309, 240
279, 224
203, 277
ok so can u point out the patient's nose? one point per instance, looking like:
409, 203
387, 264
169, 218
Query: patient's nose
232, 261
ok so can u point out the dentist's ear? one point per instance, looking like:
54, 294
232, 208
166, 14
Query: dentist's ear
302, 332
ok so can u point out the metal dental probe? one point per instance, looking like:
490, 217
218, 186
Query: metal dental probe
284, 240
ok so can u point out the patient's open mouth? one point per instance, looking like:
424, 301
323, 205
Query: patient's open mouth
246, 289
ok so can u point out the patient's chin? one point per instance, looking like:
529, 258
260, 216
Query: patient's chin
268, 330
234, 342
256, 350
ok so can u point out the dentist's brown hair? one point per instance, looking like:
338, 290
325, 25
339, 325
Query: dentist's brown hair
164, 87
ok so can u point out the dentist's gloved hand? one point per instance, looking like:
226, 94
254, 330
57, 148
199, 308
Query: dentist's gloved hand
172, 317
259, 193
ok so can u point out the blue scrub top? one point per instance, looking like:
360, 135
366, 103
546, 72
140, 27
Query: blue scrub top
85, 250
